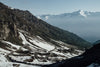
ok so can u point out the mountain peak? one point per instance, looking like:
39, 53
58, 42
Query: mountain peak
82, 13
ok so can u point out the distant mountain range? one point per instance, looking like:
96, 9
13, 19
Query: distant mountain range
83, 23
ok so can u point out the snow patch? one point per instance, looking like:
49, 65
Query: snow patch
23, 38
12, 45
20, 58
43, 45
38, 62
38, 17
4, 51
46, 17
82, 13
25, 42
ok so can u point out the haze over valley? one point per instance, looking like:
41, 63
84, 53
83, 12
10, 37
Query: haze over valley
83, 23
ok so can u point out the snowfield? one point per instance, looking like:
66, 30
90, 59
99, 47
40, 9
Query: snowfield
43, 45
34, 52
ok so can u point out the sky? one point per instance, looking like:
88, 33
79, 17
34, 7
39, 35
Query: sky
40, 7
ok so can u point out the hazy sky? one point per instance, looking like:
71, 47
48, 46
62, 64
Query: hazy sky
38, 7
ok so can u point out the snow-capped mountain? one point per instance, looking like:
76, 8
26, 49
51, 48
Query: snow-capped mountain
79, 13
83, 13
83, 23
26, 41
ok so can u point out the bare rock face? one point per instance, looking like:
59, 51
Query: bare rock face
7, 29
4, 31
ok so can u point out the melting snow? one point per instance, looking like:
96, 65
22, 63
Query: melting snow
13, 45
25, 42
10, 64
34, 43
5, 51
38, 62
42, 44
21, 58
23, 38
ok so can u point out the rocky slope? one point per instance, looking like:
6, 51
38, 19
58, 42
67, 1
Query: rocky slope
34, 51
90, 58
28, 41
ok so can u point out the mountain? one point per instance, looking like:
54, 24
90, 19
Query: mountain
83, 23
16, 19
27, 41
90, 58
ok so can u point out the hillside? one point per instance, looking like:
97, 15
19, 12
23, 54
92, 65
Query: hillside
24, 20
26, 40
90, 58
